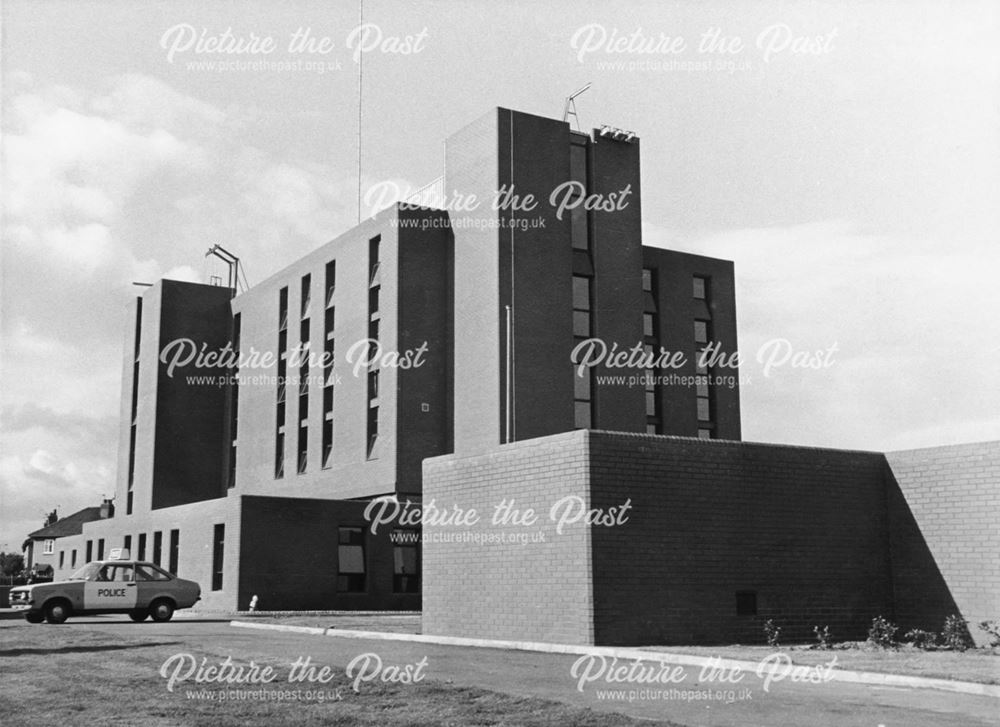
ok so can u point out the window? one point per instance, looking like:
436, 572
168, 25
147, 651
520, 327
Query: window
373, 260
351, 560
648, 325
405, 561
579, 233
327, 443
372, 430
647, 280
331, 281
150, 573
158, 547
100, 549
127, 545
700, 287
50, 546
303, 449
175, 549
129, 500
90, 550
701, 331
141, 552
279, 455
72, 558
582, 329
62, 558
281, 394
306, 295
704, 433
704, 410
746, 603
218, 553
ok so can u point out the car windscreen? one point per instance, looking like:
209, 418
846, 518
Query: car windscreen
87, 573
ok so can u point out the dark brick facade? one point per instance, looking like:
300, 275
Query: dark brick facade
815, 535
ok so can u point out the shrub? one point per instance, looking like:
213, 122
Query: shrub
993, 629
955, 634
823, 637
772, 633
922, 639
882, 633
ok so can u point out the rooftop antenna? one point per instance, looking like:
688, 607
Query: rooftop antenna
237, 275
570, 109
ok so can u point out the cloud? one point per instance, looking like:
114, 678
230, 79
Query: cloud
132, 181
911, 320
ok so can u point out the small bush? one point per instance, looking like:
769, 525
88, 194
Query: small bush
882, 633
823, 638
955, 634
993, 629
922, 639
772, 633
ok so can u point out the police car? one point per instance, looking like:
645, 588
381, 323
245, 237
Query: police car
137, 588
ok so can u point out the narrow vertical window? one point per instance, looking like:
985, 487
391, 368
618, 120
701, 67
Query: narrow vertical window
175, 550
100, 549
374, 316
140, 549
218, 554
405, 561
582, 328
134, 418
329, 323
282, 383
158, 547
351, 560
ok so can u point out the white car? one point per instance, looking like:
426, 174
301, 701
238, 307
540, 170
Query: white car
137, 588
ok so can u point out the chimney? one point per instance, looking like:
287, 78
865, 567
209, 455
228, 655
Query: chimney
51, 518
107, 509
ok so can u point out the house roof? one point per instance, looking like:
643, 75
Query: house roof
69, 525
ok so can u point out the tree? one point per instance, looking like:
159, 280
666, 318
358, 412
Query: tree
11, 563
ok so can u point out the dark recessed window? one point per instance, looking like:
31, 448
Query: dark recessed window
746, 603
700, 287
351, 560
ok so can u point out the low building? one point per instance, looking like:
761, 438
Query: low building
50, 548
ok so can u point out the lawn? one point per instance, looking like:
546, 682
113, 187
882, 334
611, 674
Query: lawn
974, 665
79, 676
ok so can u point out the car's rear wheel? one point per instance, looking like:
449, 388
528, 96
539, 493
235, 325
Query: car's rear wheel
34, 618
56, 612
139, 615
161, 610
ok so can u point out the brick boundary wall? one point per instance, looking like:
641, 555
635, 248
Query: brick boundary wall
537, 591
945, 524
802, 529
821, 537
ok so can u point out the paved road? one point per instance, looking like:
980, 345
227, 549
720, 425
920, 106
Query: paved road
548, 676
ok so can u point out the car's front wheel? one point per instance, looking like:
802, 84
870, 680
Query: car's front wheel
56, 612
137, 616
34, 617
161, 610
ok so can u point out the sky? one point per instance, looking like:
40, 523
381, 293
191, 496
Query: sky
846, 157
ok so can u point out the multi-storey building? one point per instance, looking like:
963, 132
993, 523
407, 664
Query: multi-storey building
517, 342
418, 333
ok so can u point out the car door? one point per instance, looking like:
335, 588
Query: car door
112, 589
150, 582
